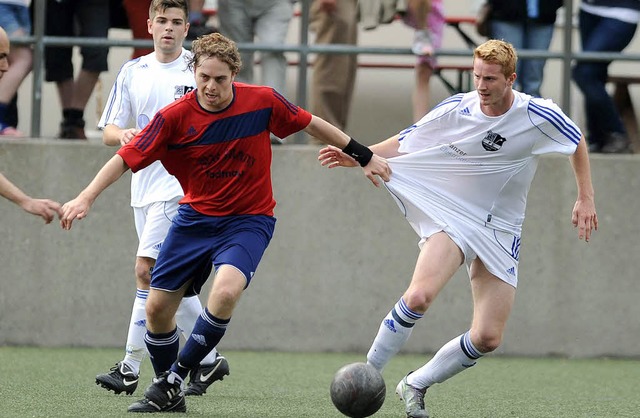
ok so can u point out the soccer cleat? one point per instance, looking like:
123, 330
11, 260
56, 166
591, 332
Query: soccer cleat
176, 404
120, 379
413, 399
202, 377
164, 390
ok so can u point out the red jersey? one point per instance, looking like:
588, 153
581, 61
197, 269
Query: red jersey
221, 159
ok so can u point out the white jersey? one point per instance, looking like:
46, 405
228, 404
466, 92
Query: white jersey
461, 163
144, 86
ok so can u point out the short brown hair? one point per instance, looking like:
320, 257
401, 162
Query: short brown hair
499, 52
218, 46
162, 5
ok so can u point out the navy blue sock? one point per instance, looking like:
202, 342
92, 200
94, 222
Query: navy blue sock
3, 114
206, 334
163, 349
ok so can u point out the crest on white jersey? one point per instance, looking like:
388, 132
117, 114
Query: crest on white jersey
493, 141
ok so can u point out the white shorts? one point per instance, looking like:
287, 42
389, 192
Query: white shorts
152, 224
498, 250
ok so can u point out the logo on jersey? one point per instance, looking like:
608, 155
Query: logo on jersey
180, 91
511, 271
493, 141
191, 131
465, 112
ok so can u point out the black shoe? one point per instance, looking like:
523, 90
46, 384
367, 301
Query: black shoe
72, 130
164, 390
177, 404
120, 379
202, 377
616, 143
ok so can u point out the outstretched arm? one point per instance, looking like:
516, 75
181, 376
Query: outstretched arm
44, 208
584, 215
373, 165
79, 207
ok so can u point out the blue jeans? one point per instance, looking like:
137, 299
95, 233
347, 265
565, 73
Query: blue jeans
526, 35
600, 34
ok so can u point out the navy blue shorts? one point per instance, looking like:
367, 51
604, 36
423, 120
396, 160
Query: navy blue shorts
196, 242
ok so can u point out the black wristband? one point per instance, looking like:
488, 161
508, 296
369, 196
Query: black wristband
358, 152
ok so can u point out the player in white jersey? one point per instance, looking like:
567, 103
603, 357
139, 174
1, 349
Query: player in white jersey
144, 86
461, 176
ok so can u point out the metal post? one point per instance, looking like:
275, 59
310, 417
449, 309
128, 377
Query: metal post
567, 56
38, 66
301, 94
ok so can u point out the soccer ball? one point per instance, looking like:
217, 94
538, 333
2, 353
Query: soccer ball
358, 390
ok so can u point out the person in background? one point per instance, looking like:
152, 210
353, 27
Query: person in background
334, 75
605, 26
91, 18
427, 19
138, 11
16, 21
461, 176
526, 24
268, 21
45, 208
143, 86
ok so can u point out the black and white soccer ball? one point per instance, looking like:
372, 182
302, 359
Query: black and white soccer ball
358, 390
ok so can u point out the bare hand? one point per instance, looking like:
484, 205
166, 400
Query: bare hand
328, 6
45, 208
584, 218
332, 157
128, 135
77, 208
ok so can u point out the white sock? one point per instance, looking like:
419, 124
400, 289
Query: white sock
394, 331
136, 348
186, 317
455, 356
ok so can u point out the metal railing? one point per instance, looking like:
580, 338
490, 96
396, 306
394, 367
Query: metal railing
303, 49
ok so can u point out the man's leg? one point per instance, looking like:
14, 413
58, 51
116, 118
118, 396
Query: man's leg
492, 303
439, 259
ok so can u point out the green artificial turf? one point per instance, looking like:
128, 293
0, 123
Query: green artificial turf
38, 382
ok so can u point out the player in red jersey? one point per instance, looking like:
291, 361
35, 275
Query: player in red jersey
216, 142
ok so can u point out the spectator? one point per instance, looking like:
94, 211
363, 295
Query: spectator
91, 17
334, 75
45, 208
526, 24
138, 13
605, 26
16, 21
266, 20
427, 19
143, 87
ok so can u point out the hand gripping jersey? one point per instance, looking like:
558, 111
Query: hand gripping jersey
144, 86
222, 159
461, 163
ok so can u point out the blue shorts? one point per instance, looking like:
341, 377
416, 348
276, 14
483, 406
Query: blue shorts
14, 18
196, 242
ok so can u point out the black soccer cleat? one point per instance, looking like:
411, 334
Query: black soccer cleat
164, 389
204, 376
176, 404
120, 379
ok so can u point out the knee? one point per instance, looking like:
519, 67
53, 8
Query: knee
418, 301
143, 274
485, 341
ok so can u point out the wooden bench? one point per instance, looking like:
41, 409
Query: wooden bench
624, 104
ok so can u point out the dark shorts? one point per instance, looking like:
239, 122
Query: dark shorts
91, 18
195, 243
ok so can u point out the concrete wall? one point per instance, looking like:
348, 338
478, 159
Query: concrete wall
341, 257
